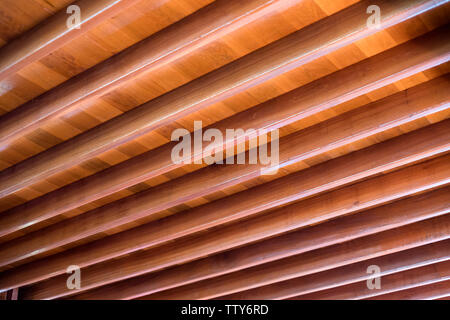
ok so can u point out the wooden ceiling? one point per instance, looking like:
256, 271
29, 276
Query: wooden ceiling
87, 178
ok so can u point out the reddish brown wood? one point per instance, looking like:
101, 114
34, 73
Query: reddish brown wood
53, 33
359, 196
357, 79
306, 233
201, 28
373, 246
11, 294
419, 101
409, 279
426, 292
279, 57
355, 226
389, 264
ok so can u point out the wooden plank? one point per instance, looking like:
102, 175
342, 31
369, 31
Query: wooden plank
397, 109
409, 279
427, 292
203, 27
14, 294
373, 73
391, 241
279, 57
53, 33
389, 264
362, 195
348, 228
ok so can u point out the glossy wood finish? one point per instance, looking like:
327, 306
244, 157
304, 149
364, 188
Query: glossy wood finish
409, 279
340, 172
54, 33
391, 241
286, 54
203, 27
315, 97
389, 264
362, 195
10, 294
426, 292
327, 234
87, 176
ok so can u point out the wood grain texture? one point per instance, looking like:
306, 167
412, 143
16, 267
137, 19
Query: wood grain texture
389, 264
409, 279
377, 245
426, 292
362, 195
355, 226
54, 33
279, 57
426, 98
378, 71
86, 171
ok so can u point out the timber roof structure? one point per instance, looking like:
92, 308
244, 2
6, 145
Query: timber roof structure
349, 99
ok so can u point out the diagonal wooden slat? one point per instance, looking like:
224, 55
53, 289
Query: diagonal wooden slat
53, 33
343, 201
308, 234
427, 292
10, 295
389, 264
279, 57
409, 279
392, 111
391, 241
340, 230
198, 29
383, 69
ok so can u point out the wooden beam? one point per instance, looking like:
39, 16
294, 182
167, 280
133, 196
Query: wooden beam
341, 86
397, 109
279, 57
348, 228
409, 279
382, 115
389, 264
427, 292
327, 258
204, 26
53, 33
362, 195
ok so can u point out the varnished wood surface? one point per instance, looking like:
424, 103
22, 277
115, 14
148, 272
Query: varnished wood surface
426, 291
411, 236
53, 33
284, 55
327, 234
203, 27
343, 201
389, 264
409, 279
86, 175
135, 170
